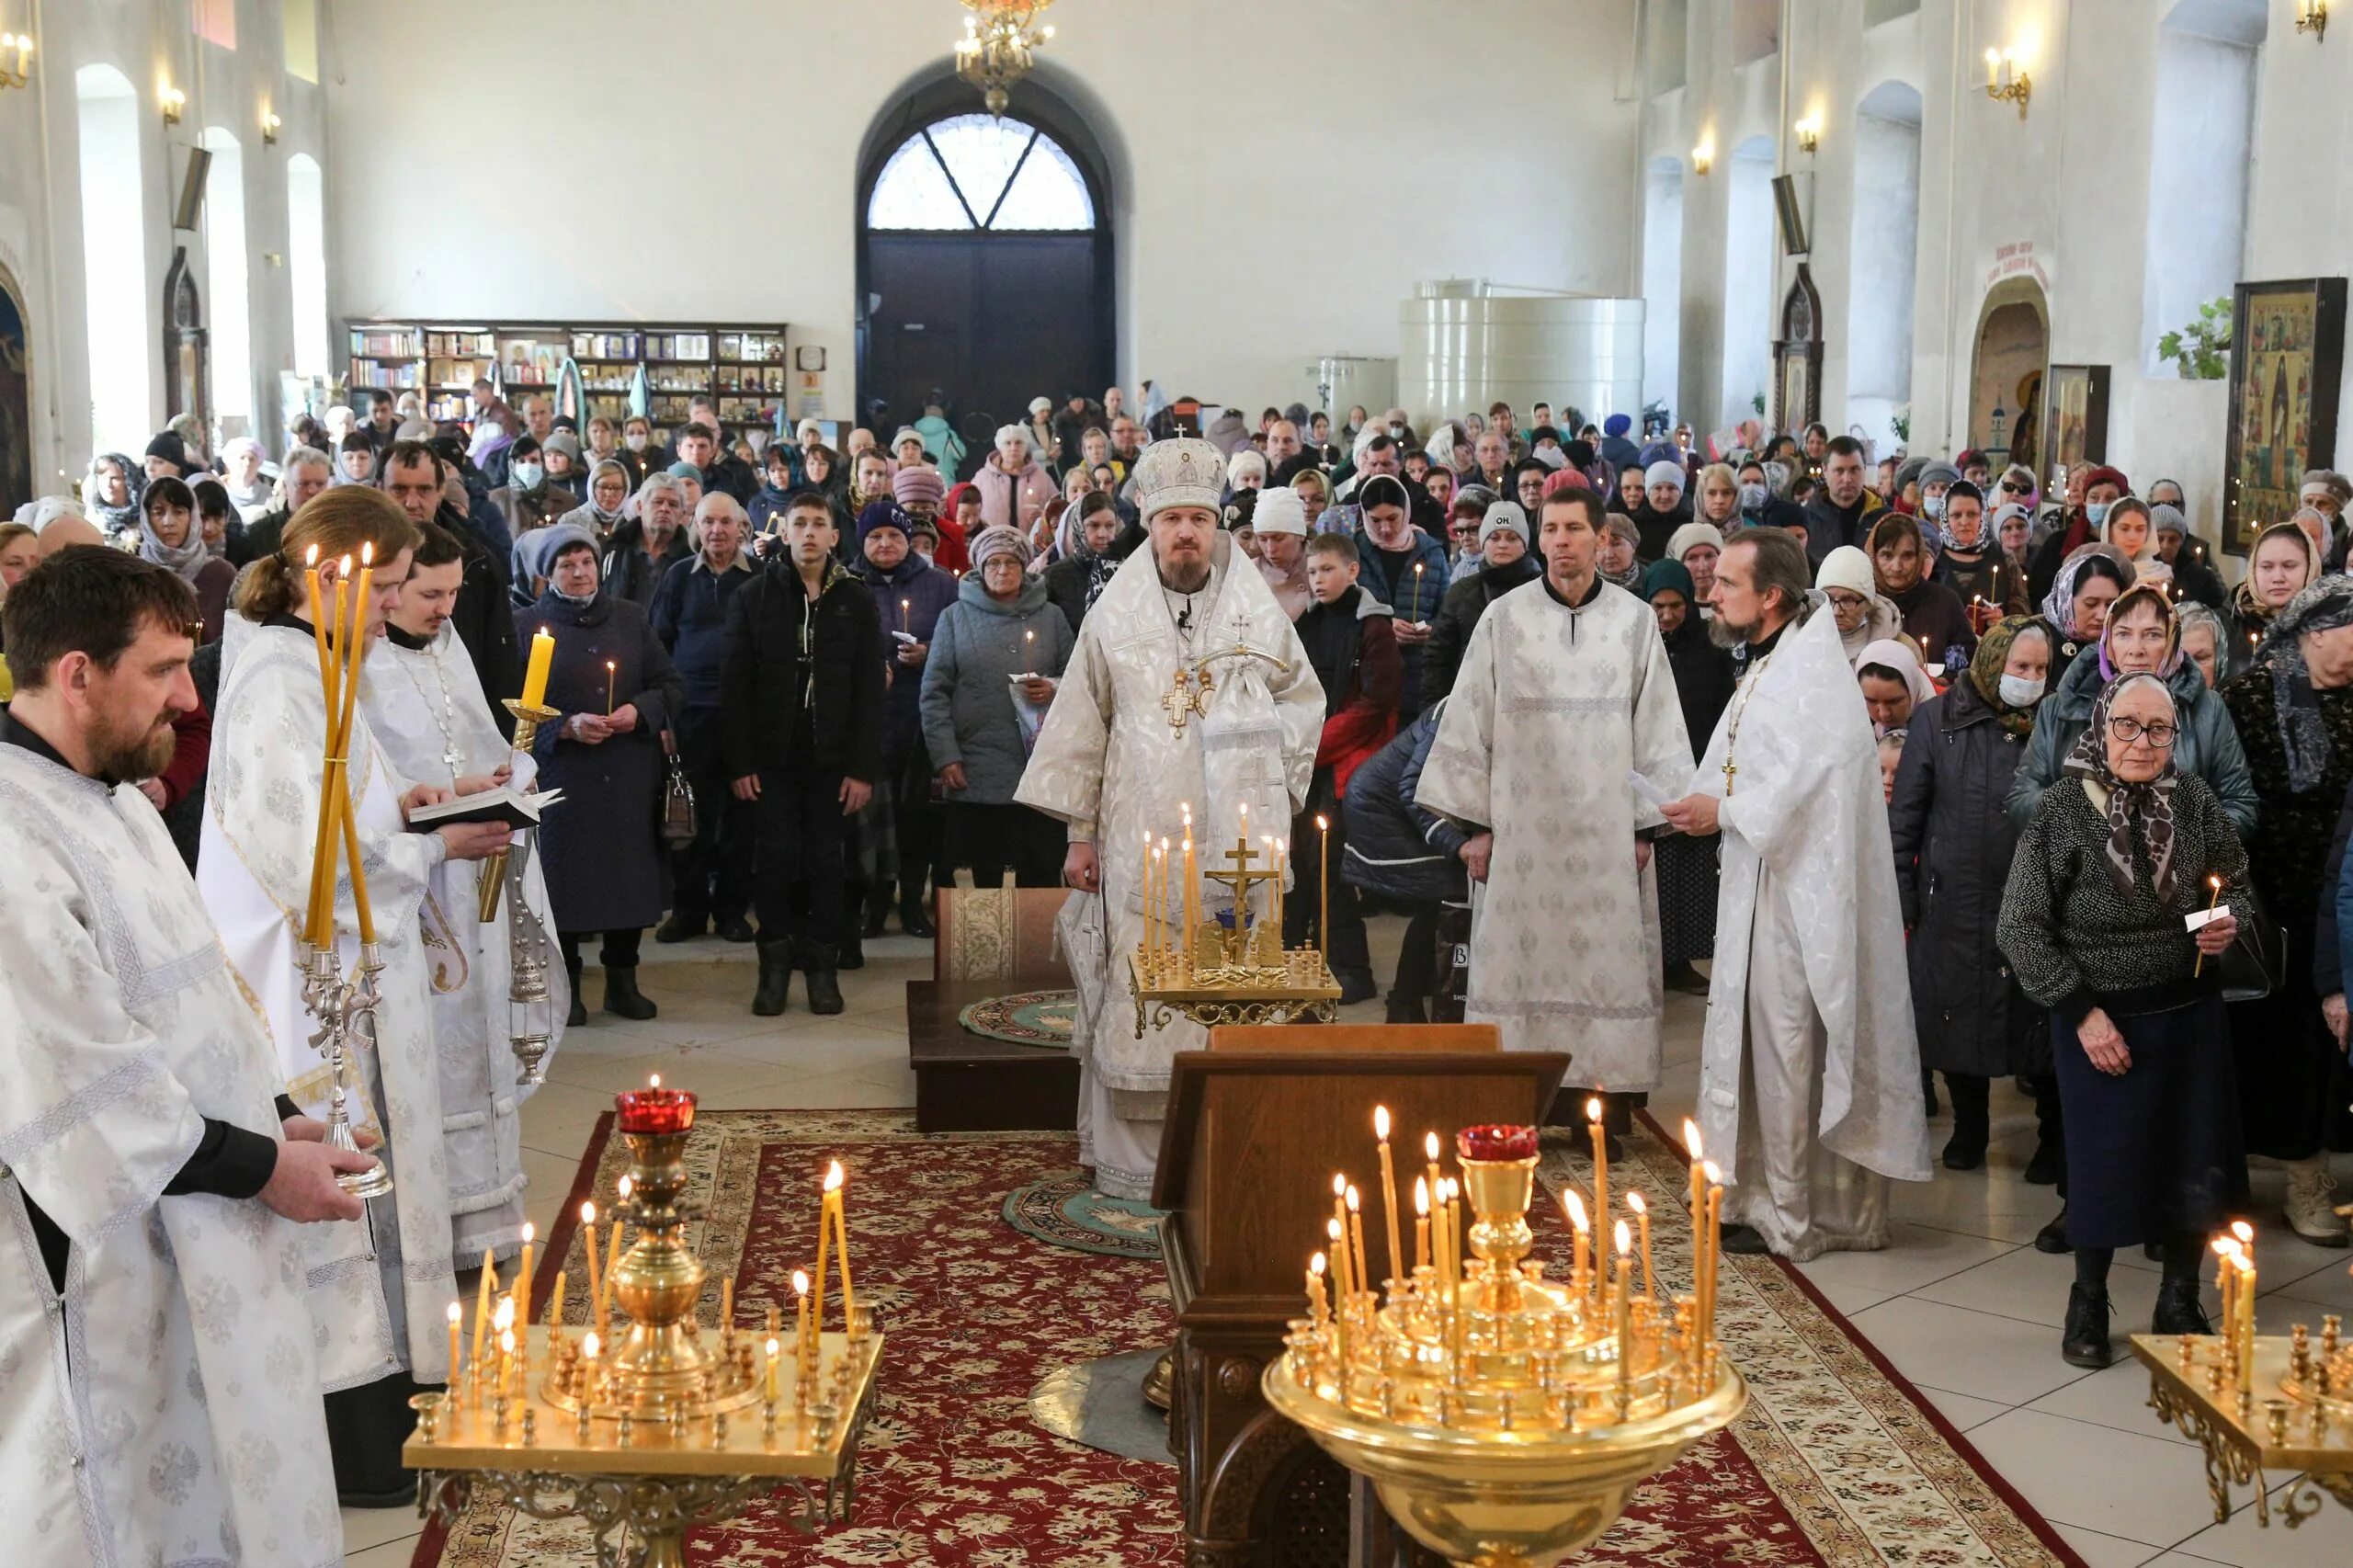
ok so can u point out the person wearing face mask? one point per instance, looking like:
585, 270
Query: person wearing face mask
1845, 578
1936, 480
2328, 493
1761, 505
1953, 843
2102, 486
526, 500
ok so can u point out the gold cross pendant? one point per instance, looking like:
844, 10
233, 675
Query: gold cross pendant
1180, 702
1729, 771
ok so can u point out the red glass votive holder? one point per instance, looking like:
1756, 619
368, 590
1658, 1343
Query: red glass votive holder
1496, 1141
653, 1111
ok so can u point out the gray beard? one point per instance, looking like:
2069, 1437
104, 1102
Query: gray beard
1725, 634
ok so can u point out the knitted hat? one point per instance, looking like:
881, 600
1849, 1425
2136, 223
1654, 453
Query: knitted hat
1182, 471
906, 433
2321, 480
563, 441
1665, 472
807, 428
917, 482
1848, 568
539, 547
1617, 425
993, 541
2106, 475
884, 515
1040, 405
1507, 516
1939, 474
1690, 536
1567, 479
2166, 519
170, 447
1280, 511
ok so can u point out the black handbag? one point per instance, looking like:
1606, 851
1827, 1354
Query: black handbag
678, 798
2257, 960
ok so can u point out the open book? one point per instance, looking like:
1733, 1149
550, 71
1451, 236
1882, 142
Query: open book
516, 809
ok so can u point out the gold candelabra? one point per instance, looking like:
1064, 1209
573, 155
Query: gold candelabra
1504, 1419
346, 1011
657, 1427
528, 717
1225, 971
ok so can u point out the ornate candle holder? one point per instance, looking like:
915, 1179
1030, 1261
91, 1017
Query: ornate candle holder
2256, 1403
1505, 1421
1214, 973
528, 720
346, 1012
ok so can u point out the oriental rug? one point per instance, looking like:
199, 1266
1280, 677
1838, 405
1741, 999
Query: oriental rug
1836, 1464
1041, 1018
1066, 1212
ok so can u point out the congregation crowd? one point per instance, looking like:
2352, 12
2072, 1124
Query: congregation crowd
2086, 739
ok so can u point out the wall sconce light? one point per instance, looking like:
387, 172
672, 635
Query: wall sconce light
16, 56
173, 101
2312, 16
2005, 83
1703, 158
270, 127
1809, 132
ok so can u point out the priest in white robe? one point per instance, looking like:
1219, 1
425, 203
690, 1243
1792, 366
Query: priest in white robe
425, 707
1810, 1072
158, 1386
1564, 692
1128, 743
379, 1291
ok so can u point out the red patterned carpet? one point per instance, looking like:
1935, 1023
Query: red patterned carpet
1836, 1461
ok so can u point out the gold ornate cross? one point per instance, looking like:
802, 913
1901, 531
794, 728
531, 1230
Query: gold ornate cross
1180, 700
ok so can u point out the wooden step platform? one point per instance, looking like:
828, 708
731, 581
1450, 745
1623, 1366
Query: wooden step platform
968, 1084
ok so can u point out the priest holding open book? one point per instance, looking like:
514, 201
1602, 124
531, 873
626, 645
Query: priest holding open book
377, 1290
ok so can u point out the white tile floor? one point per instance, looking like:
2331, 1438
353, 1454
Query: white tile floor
1961, 1305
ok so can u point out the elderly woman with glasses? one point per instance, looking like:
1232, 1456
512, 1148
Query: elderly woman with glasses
2118, 858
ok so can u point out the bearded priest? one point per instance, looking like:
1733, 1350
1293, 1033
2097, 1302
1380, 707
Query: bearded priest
425, 706
1188, 689
161, 1399
1809, 1068
378, 1291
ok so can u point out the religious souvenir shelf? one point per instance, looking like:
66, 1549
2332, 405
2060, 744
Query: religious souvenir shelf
743, 366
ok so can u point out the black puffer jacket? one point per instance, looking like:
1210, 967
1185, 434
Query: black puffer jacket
1954, 845
1395, 850
765, 680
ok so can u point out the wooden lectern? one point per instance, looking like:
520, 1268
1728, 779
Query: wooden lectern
1256, 1126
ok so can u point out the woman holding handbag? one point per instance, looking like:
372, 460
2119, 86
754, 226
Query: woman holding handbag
2293, 708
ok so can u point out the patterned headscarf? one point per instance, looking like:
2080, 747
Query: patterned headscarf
2125, 603
2059, 604
1993, 654
2135, 812
2320, 607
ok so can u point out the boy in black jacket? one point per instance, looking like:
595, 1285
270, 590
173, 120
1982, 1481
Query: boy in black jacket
800, 700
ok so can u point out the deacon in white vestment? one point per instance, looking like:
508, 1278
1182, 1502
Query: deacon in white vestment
1563, 691
377, 1292
158, 1387
1127, 745
1810, 1072
425, 706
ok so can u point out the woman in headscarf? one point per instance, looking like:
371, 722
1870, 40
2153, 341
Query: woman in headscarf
603, 511
111, 495
2077, 605
248, 487
2130, 531
1953, 846
170, 537
2293, 708
1101, 539
2281, 565
1618, 559
2093, 922
1703, 684
2204, 640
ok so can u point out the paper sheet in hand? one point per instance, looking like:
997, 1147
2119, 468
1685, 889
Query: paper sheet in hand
517, 810
1648, 791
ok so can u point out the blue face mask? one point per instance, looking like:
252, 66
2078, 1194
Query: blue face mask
1752, 497
2096, 512
1933, 507
527, 476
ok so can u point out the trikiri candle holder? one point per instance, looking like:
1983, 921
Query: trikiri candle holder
346, 1011
1230, 971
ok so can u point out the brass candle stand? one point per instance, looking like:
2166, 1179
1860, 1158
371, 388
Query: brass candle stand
527, 720
1505, 1421
1214, 973
663, 1427
346, 1012
2257, 1403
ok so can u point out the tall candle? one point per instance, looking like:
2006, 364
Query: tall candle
2224, 1283
903, 626
1151, 942
457, 1317
1162, 914
1581, 1229
535, 677
1192, 918
596, 1271
2245, 1266
1323, 888
482, 1305
1336, 1233
522, 1294
772, 1366
799, 1316
1430, 1158
727, 1304
1421, 1223
1620, 1312
1642, 1216
612, 1265
1715, 1243
1600, 1159
1279, 857
612, 674
836, 1198
506, 1362
556, 1308
1316, 1310
1389, 1190
824, 1239
1355, 1240
353, 652
1416, 615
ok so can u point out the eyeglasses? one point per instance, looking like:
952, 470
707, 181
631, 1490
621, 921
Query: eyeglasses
2160, 736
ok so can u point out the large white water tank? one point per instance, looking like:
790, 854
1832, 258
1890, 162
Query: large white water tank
1466, 344
1338, 382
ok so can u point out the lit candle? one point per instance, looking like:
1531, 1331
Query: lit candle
612, 674
612, 1264
1355, 1240
592, 1347
1643, 1217
1316, 1308
1323, 887
457, 1318
1715, 1241
1029, 654
1416, 617
836, 1189
482, 1303
1191, 917
1151, 943
1421, 1223
1388, 1189
1600, 1159
2225, 1286
535, 677
1454, 1264
800, 1317
1430, 1158
1339, 1238
1162, 865
596, 1274
507, 1361
2246, 1267
1699, 1206
1581, 1228
2216, 884
1340, 1226
1620, 1311
1992, 67
902, 615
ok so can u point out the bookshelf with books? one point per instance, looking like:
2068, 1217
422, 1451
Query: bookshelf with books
741, 367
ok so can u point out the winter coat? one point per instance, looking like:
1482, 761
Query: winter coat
1937, 623
1829, 527
1654, 528
909, 597
608, 869
1374, 579
1067, 579
628, 573
1353, 646
1954, 843
967, 700
765, 685
691, 617
2207, 746
1392, 849
523, 510
484, 618
1013, 500
1458, 617
1704, 679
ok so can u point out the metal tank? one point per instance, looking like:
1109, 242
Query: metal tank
1466, 342
1337, 382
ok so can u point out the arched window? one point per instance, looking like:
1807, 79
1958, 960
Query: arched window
225, 262
306, 254
121, 349
975, 172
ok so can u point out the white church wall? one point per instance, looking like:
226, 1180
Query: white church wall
150, 42
1291, 171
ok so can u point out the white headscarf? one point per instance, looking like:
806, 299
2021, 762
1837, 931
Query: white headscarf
1900, 657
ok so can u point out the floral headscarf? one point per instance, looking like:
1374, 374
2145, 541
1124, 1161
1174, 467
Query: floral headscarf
2318, 607
2131, 599
2059, 604
2137, 814
1993, 656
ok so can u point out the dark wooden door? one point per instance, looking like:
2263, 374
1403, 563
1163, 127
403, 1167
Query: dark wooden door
992, 320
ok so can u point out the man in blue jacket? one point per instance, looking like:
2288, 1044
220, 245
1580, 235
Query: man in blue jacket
713, 873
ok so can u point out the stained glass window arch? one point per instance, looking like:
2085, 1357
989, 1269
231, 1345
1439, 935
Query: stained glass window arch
972, 172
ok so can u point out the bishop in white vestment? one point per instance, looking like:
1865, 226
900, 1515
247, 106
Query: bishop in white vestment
1563, 691
425, 707
1131, 739
159, 1395
1809, 1070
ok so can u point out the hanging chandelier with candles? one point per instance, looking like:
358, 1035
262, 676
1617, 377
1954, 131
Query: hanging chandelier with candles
999, 45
